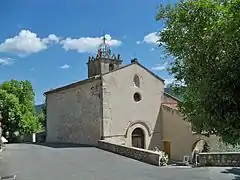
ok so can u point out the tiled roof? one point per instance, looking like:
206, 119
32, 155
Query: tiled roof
72, 85
171, 105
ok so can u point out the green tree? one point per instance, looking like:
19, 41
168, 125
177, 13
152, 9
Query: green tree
203, 36
22, 96
44, 111
10, 111
30, 123
42, 118
41, 113
23, 91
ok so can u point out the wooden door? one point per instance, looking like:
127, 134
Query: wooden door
167, 147
137, 142
138, 138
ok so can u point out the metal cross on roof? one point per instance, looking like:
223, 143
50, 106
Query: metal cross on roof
104, 49
104, 39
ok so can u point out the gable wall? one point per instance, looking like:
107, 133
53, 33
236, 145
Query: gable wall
179, 133
74, 114
121, 114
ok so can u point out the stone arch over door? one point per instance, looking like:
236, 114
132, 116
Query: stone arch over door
201, 145
145, 129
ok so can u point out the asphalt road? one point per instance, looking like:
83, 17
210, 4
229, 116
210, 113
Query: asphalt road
38, 162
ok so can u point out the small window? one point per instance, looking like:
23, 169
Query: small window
111, 67
137, 97
136, 81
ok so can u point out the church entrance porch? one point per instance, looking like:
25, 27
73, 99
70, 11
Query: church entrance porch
138, 138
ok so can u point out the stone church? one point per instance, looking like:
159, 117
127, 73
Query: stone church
125, 105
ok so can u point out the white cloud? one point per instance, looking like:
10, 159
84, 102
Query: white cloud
160, 67
26, 42
6, 61
87, 44
152, 49
138, 42
151, 38
52, 38
65, 66
168, 81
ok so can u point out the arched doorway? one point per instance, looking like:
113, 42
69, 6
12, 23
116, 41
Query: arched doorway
111, 67
138, 138
201, 146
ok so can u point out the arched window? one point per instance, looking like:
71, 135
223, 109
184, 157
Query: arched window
111, 67
136, 81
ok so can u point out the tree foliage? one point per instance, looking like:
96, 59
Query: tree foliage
10, 111
17, 107
42, 115
203, 36
225, 147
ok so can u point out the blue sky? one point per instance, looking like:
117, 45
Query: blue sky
48, 42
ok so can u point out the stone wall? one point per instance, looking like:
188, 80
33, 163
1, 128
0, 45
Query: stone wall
74, 114
230, 159
30, 138
143, 155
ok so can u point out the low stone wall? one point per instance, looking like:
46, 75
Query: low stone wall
35, 137
230, 159
143, 155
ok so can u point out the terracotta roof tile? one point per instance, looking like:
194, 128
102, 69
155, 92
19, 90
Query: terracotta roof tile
171, 105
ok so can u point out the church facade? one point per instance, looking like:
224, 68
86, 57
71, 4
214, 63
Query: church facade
125, 105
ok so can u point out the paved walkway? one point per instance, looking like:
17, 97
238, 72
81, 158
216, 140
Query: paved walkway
38, 162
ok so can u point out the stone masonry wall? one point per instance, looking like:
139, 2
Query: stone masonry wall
230, 159
143, 155
74, 114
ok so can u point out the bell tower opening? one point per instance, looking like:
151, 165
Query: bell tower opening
104, 61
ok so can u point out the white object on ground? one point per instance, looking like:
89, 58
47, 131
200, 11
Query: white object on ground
34, 137
186, 159
4, 140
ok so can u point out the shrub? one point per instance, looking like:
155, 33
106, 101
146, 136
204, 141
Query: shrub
163, 158
224, 147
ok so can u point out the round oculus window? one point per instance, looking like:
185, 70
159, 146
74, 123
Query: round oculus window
137, 97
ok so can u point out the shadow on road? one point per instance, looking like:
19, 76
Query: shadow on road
234, 171
62, 145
